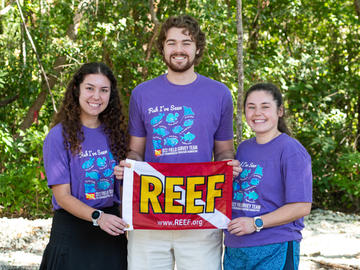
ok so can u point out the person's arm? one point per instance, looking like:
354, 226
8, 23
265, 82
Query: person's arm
224, 150
109, 223
137, 152
283, 215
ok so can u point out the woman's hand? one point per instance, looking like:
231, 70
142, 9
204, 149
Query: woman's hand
112, 224
236, 167
241, 226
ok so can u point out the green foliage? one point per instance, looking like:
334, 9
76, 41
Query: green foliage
308, 48
23, 188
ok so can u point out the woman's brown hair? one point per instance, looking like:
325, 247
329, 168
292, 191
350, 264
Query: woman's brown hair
112, 118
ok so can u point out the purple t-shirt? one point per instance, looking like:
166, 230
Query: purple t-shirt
89, 173
273, 174
181, 122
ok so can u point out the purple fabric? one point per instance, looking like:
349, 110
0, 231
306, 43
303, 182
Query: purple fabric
181, 122
89, 173
274, 174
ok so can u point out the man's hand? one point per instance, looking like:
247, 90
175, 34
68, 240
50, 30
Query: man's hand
119, 169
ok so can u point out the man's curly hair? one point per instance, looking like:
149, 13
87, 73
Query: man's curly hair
112, 118
189, 24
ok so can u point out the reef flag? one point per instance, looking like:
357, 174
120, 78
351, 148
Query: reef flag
177, 196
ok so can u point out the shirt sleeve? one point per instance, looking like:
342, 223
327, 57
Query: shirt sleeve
225, 130
56, 160
136, 123
297, 174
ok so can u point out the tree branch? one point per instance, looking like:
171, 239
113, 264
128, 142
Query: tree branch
58, 67
7, 101
357, 7
239, 27
37, 55
153, 38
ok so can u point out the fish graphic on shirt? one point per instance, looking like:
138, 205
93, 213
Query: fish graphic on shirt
245, 185
188, 111
251, 195
157, 144
171, 141
188, 122
161, 131
88, 164
245, 173
107, 172
101, 162
93, 175
259, 170
177, 129
188, 137
103, 185
172, 117
157, 119
254, 181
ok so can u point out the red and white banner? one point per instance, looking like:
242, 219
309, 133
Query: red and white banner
177, 196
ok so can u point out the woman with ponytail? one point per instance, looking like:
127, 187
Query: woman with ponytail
273, 192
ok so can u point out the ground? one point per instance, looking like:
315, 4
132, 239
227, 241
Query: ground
331, 241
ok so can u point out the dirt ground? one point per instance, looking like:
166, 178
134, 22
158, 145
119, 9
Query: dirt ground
331, 240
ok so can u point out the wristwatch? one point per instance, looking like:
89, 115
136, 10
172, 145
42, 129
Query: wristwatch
95, 217
258, 223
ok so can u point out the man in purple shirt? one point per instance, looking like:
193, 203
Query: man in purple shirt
179, 117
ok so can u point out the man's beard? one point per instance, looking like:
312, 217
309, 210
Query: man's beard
177, 68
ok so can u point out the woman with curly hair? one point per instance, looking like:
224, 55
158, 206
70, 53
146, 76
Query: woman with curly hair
81, 150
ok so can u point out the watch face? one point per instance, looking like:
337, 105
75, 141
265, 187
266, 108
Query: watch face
259, 222
95, 215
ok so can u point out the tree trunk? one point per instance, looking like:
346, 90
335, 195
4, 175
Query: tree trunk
240, 67
357, 139
357, 7
58, 67
153, 38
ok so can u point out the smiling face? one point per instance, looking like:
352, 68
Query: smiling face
262, 114
94, 98
179, 50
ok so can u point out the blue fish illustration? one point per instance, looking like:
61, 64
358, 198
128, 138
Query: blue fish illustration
245, 173
87, 164
171, 141
113, 165
177, 129
236, 186
171, 117
101, 162
111, 156
238, 196
161, 131
103, 185
245, 185
188, 137
252, 195
254, 181
157, 144
259, 170
157, 118
89, 188
188, 122
107, 172
188, 111
93, 175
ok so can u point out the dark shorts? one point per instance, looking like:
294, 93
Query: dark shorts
280, 256
77, 244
